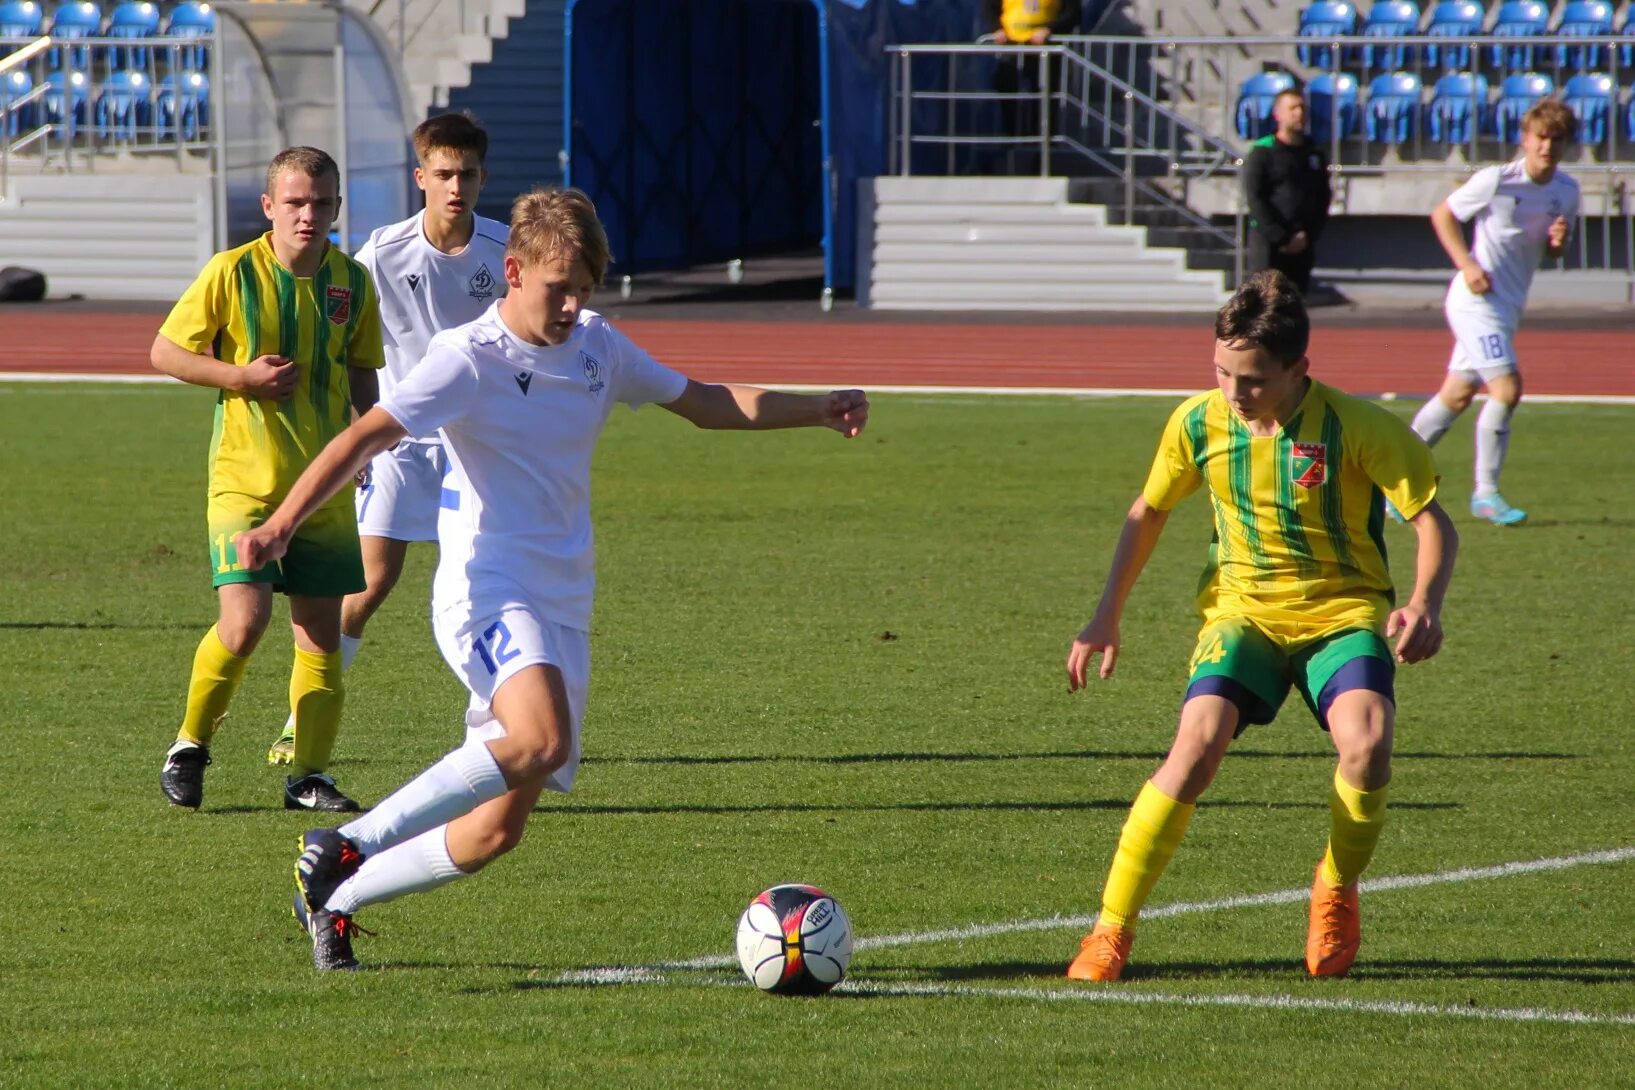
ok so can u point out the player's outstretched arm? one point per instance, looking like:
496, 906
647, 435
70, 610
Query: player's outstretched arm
1135, 545
335, 465
269, 377
729, 406
1417, 626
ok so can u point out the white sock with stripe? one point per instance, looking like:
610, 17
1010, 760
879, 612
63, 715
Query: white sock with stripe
414, 866
459, 783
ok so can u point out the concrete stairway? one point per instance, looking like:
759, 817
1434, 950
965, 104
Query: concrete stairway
990, 244
441, 40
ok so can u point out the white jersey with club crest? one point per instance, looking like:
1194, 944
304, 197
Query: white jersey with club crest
519, 423
424, 291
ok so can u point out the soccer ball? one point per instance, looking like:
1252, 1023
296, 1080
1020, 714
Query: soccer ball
794, 940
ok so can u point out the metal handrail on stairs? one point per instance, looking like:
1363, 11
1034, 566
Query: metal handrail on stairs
1191, 153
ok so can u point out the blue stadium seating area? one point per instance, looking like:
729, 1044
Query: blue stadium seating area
131, 77
1388, 92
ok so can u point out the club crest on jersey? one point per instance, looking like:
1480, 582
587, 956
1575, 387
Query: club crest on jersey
338, 305
1309, 462
593, 372
481, 284
414, 281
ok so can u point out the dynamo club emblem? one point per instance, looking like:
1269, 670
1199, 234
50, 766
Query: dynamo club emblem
338, 305
1309, 462
593, 372
481, 284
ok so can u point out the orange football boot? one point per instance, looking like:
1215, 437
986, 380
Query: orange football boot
1335, 930
1102, 953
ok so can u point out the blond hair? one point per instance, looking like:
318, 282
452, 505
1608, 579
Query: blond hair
1550, 117
548, 224
311, 162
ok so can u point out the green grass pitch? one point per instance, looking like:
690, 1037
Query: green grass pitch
830, 662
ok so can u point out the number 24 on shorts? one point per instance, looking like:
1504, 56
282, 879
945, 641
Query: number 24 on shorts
500, 636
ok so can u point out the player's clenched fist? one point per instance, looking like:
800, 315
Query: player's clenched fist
846, 411
259, 547
270, 378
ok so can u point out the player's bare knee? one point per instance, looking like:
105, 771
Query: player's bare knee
240, 630
544, 756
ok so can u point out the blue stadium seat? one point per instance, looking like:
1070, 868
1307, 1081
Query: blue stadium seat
192, 19
1325, 19
1331, 106
21, 19
1453, 19
1516, 96
67, 100
1458, 109
1583, 19
77, 19
1629, 120
123, 106
1390, 19
1591, 97
1519, 19
132, 19
1255, 98
184, 104
14, 85
1393, 107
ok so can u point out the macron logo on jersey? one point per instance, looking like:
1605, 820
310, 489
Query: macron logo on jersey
524, 380
414, 281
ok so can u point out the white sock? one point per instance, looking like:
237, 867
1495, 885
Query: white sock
1433, 420
349, 651
1492, 440
459, 783
414, 866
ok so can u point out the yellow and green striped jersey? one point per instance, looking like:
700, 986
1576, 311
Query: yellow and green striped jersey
1299, 545
245, 305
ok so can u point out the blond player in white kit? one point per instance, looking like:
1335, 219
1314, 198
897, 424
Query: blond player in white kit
1524, 212
438, 269
519, 396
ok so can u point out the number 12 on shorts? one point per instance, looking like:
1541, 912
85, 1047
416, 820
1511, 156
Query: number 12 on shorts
500, 636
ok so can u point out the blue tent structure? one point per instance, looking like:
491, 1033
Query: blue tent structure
707, 130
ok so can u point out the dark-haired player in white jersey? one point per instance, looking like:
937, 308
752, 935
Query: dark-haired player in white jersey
520, 397
440, 268
1524, 212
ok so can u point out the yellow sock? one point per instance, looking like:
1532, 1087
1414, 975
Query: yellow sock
315, 701
216, 674
1151, 834
1356, 818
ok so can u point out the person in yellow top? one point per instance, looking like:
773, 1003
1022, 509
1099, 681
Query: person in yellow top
1296, 593
1026, 22
288, 329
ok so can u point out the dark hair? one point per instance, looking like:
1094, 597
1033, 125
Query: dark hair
450, 132
1287, 92
1266, 311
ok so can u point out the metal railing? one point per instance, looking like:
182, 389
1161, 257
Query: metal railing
90, 111
1160, 114
1085, 112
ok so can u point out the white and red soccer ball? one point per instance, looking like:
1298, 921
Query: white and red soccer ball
794, 940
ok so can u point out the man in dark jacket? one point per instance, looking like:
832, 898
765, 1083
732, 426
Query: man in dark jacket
1285, 183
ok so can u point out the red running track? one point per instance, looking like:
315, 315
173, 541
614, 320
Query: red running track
837, 352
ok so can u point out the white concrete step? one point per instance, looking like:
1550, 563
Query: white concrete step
1003, 233
894, 190
1159, 269
951, 253
992, 213
1132, 297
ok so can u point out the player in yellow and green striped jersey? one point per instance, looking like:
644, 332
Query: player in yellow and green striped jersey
1297, 593
288, 329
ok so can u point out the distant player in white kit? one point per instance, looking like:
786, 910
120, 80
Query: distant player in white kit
438, 269
520, 396
1524, 212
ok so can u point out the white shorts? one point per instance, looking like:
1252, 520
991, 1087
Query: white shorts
486, 652
404, 492
1483, 340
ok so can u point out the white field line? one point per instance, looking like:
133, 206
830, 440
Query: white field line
645, 973
1262, 1002
984, 391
